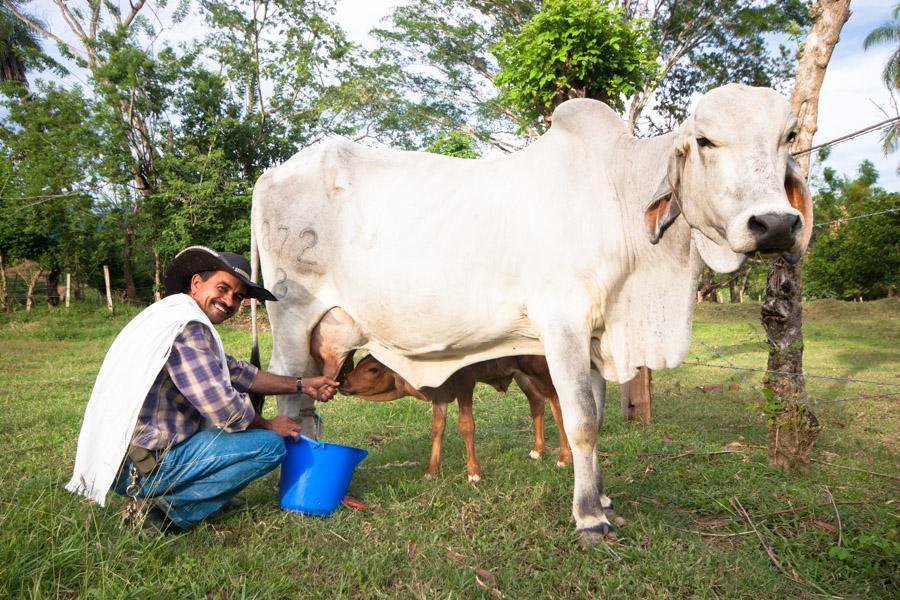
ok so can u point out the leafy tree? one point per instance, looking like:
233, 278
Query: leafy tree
889, 33
20, 47
855, 254
277, 55
454, 143
706, 43
130, 100
182, 145
436, 57
49, 148
572, 49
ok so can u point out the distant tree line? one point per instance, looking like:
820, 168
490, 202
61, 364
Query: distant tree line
128, 145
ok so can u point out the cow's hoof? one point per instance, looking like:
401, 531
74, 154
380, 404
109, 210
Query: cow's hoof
563, 463
430, 476
594, 535
534, 455
474, 478
619, 522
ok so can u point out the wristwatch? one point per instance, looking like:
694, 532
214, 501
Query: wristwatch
299, 385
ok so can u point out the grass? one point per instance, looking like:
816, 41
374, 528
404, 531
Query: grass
511, 535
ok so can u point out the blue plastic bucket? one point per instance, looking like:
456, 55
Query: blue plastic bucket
315, 475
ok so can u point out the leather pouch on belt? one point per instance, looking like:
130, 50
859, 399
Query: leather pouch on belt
143, 460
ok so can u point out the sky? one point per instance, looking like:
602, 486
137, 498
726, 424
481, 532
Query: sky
851, 93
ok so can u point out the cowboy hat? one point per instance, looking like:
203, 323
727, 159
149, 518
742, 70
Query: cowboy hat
197, 259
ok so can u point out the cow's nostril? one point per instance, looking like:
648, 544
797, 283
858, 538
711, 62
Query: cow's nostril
795, 226
756, 226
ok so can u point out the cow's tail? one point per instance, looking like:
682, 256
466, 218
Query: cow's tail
256, 399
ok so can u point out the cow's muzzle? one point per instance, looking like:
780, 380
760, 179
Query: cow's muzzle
775, 232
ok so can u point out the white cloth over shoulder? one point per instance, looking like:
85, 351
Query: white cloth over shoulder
131, 366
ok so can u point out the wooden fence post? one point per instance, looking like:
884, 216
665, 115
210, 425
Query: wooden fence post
636, 397
109, 303
68, 287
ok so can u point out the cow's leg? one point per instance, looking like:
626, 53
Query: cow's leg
438, 421
536, 404
567, 352
565, 451
598, 387
291, 356
467, 433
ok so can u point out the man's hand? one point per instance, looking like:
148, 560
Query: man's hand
283, 426
321, 388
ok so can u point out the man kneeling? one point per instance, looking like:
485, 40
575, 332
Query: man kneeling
169, 397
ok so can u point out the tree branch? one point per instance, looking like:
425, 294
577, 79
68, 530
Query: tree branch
135, 8
44, 32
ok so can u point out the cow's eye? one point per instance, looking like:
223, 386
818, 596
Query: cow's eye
704, 142
791, 137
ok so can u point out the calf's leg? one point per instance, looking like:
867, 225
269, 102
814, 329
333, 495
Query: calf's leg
438, 421
565, 451
467, 432
536, 404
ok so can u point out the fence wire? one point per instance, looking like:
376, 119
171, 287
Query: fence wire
865, 216
809, 401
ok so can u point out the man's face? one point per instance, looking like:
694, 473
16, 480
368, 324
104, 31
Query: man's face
219, 296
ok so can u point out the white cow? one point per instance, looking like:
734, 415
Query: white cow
584, 247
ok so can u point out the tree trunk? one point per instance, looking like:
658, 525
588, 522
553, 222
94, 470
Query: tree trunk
34, 274
4, 289
793, 428
53, 288
157, 276
127, 262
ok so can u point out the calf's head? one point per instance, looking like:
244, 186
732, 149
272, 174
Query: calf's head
732, 177
371, 380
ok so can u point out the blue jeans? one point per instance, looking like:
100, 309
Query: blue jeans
198, 476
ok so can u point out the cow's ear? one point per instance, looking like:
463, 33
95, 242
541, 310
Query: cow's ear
800, 198
665, 206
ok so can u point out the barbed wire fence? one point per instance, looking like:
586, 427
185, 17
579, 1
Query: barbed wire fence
745, 373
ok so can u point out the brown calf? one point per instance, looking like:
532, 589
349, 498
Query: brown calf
371, 380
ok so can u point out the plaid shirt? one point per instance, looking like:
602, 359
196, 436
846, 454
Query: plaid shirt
192, 388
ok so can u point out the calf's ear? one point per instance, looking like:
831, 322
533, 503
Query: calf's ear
665, 206
799, 197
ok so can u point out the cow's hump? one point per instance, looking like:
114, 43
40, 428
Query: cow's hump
583, 116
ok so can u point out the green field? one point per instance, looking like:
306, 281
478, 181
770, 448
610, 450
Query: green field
510, 535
